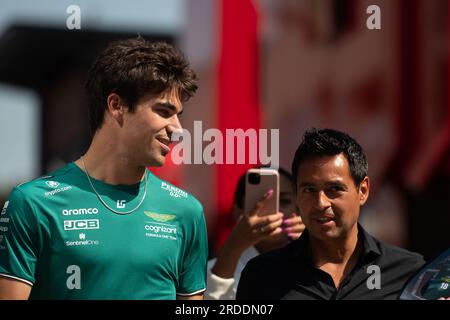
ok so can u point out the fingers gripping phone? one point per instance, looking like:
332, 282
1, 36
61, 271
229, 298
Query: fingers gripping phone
257, 183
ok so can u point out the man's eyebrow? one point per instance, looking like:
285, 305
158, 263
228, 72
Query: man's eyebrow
335, 182
305, 184
331, 182
170, 106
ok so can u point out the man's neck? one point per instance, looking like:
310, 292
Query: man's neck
104, 162
335, 251
337, 257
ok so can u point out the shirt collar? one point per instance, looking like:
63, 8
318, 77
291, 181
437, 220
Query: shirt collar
370, 243
371, 250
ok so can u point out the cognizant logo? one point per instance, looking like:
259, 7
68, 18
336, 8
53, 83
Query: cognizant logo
158, 229
81, 211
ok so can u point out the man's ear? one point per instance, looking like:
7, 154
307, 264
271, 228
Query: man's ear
115, 107
364, 188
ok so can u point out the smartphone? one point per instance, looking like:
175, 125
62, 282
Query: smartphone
257, 183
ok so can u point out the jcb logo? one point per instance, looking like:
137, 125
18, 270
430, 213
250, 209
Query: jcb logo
81, 224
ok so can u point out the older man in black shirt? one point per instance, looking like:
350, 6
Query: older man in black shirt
335, 258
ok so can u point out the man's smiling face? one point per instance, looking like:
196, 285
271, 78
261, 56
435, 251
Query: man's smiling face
328, 198
148, 129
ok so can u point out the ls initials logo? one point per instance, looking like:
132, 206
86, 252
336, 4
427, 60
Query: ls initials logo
120, 204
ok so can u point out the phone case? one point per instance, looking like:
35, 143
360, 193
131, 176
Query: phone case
254, 192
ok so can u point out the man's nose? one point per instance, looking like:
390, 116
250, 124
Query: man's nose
174, 125
323, 201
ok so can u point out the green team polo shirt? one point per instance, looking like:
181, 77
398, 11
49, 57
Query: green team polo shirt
57, 236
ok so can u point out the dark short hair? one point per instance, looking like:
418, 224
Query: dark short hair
132, 68
239, 193
329, 142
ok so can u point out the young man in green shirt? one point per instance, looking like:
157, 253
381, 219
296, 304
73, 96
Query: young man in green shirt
104, 227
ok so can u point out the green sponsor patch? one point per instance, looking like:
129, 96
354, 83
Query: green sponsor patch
160, 217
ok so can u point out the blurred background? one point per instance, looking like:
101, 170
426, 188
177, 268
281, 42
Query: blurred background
275, 64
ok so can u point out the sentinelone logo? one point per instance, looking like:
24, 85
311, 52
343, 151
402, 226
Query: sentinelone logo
82, 242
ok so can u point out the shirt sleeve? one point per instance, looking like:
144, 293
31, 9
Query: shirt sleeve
218, 288
192, 276
18, 232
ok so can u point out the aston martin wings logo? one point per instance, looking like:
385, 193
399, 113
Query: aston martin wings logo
160, 217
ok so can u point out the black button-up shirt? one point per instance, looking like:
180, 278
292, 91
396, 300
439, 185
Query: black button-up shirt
288, 273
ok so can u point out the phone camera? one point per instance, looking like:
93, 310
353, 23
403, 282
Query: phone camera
254, 178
